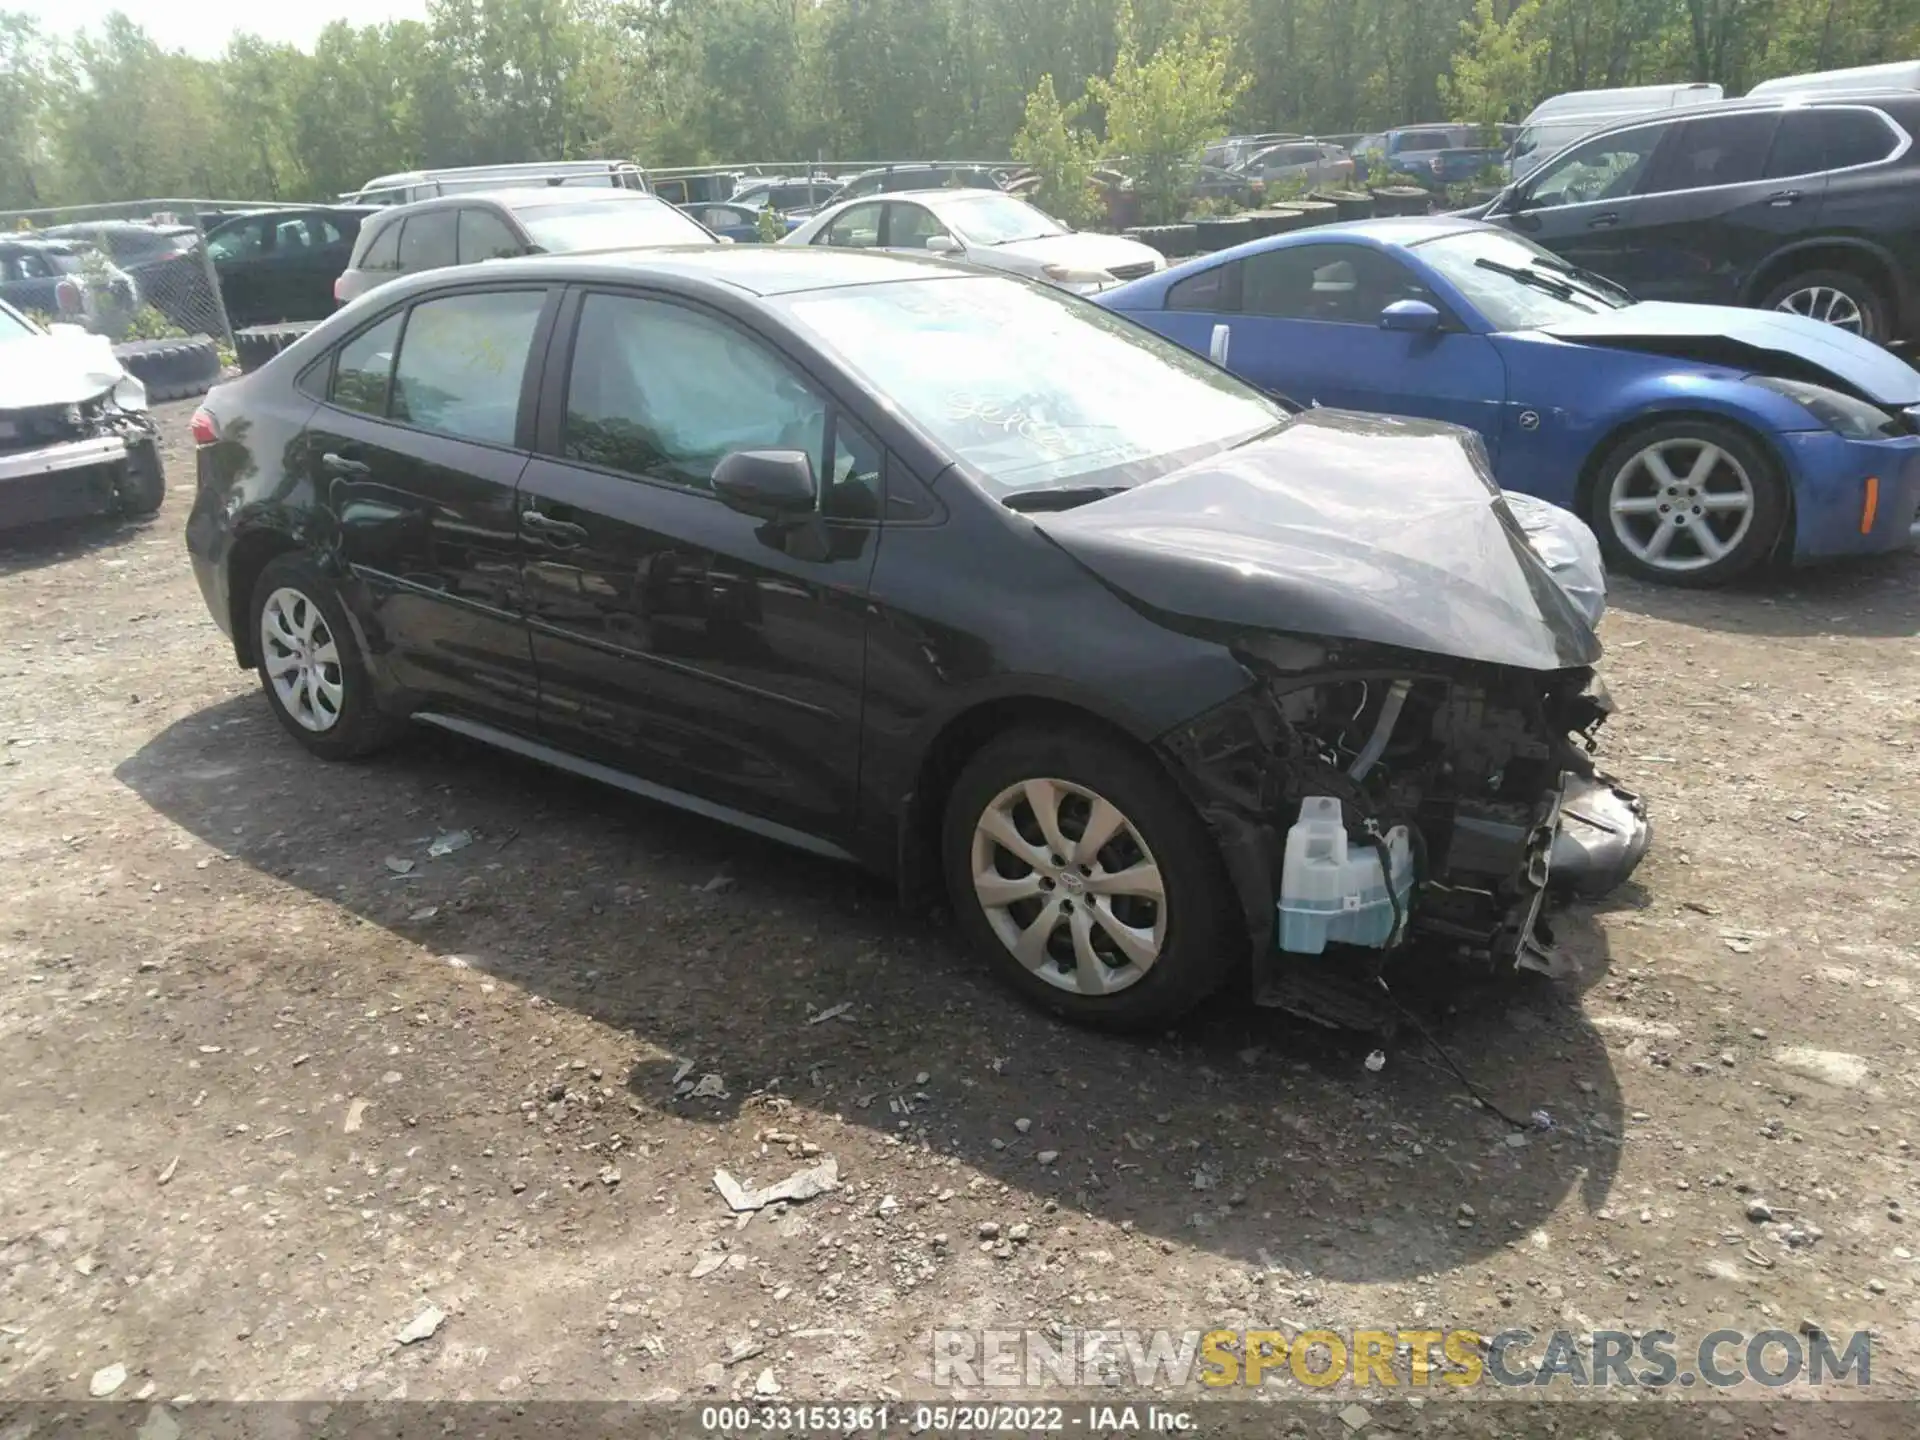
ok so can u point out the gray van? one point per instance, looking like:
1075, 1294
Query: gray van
410, 185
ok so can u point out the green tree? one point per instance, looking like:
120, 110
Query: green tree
1061, 154
1161, 112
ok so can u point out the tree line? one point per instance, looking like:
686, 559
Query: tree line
110, 115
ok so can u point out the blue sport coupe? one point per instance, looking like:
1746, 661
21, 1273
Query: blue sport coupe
1696, 440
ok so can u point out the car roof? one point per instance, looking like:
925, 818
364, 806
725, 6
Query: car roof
1398, 231
1792, 100
517, 197
759, 270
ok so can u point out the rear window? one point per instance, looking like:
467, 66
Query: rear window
1426, 140
1809, 141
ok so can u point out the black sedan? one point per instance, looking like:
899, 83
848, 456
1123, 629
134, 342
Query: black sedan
940, 571
280, 265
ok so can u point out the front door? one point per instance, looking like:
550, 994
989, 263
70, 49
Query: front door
1584, 205
416, 455
704, 650
1303, 323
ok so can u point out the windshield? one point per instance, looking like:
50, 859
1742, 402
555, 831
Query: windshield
996, 220
1031, 387
1514, 283
609, 225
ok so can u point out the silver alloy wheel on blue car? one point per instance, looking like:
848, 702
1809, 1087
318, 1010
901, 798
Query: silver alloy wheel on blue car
1681, 504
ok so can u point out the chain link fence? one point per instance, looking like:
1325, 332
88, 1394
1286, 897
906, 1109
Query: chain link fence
141, 270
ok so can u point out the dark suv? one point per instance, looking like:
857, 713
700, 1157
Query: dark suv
1801, 203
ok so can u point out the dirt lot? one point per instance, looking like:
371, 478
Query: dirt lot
267, 1098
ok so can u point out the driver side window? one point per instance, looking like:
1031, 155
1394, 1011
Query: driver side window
857, 229
1609, 167
662, 391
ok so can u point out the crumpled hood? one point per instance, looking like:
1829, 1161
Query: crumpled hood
1082, 252
1767, 341
62, 367
1347, 526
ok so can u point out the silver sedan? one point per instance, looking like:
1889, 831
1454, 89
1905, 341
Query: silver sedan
983, 227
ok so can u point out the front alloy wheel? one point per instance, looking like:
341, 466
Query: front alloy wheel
1083, 875
1069, 887
1688, 502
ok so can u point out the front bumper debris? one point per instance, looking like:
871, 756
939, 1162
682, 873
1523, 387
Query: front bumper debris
53, 459
1487, 769
74, 475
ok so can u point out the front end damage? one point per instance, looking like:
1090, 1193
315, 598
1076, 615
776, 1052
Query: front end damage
76, 437
1486, 769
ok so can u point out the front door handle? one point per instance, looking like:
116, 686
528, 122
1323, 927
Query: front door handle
1219, 344
1604, 221
554, 532
343, 465
1780, 199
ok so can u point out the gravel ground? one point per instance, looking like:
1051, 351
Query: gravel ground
277, 1078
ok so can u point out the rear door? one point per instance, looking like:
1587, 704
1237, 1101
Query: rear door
1707, 214
239, 254
418, 449
678, 640
909, 225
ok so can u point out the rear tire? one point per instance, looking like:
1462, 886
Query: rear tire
143, 486
1715, 491
1835, 297
1129, 935
310, 665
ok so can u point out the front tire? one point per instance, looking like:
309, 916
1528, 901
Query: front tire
1834, 297
143, 484
310, 665
1086, 879
1689, 502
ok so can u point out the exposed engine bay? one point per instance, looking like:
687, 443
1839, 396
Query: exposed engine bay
1487, 769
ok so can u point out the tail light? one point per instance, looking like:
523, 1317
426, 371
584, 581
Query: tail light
205, 428
69, 296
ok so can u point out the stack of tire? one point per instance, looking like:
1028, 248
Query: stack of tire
1315, 212
1348, 204
1223, 232
1401, 200
173, 369
255, 345
1172, 241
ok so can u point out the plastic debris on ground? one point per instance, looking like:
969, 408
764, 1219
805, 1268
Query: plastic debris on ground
801, 1185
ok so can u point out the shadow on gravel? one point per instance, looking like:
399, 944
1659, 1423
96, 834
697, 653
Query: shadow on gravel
1243, 1133
1874, 597
53, 542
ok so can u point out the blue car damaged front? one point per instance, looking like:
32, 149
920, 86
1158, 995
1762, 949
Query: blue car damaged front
1697, 441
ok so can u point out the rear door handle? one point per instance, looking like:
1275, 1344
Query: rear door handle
1602, 222
555, 532
1780, 199
342, 465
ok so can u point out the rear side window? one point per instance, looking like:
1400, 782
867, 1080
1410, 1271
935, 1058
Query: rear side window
426, 241
485, 236
1812, 140
1712, 150
364, 367
383, 248
461, 363
1215, 291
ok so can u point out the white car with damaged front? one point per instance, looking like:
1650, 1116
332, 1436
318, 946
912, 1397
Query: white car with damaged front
982, 227
75, 435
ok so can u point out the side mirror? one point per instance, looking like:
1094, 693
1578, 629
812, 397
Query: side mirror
1414, 317
944, 245
766, 484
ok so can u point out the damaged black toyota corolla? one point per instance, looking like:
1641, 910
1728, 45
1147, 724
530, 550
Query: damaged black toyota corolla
947, 573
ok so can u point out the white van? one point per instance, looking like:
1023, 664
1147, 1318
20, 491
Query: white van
411, 185
1898, 75
1556, 123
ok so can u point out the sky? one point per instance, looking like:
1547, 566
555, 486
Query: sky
203, 27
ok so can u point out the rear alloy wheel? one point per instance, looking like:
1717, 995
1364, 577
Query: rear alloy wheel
1088, 881
310, 665
1689, 502
1833, 297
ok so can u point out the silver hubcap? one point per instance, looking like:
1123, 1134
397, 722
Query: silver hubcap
1827, 305
1681, 504
1069, 886
303, 663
